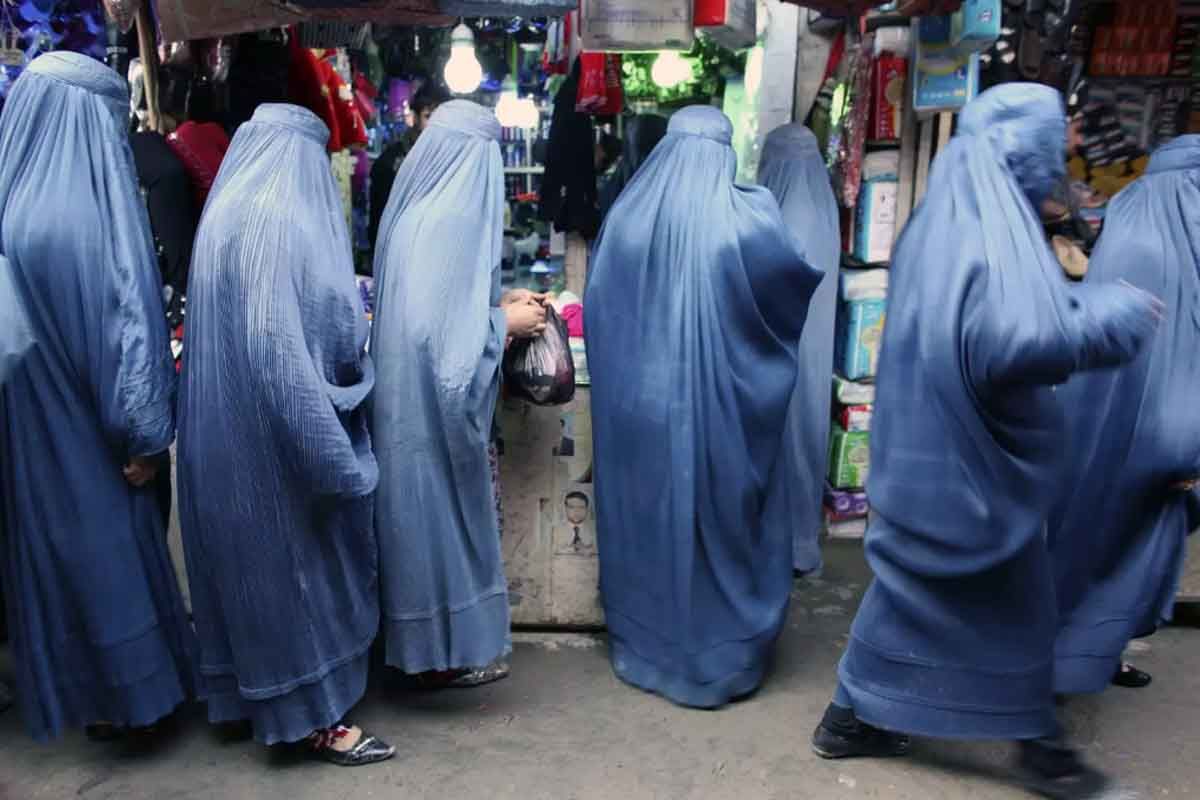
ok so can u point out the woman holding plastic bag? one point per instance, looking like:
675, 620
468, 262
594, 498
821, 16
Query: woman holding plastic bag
438, 339
694, 310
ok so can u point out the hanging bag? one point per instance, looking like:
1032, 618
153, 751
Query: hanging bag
542, 370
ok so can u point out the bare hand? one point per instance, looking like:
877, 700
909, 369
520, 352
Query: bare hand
525, 320
140, 471
523, 296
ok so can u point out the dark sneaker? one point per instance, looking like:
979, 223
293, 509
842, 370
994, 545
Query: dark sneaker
1051, 769
1130, 677
843, 735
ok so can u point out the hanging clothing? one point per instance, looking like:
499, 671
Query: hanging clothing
642, 134
568, 195
793, 169
438, 338
694, 312
99, 631
201, 147
170, 199
954, 637
383, 176
1119, 539
275, 467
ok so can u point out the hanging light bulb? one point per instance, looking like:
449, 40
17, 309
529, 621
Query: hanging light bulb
670, 69
463, 73
514, 111
508, 110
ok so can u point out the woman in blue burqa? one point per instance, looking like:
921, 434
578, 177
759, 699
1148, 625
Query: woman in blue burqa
1119, 539
439, 335
275, 467
954, 637
694, 311
99, 632
793, 169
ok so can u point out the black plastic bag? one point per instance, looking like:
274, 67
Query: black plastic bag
541, 370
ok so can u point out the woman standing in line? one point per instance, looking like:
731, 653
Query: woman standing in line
99, 632
276, 473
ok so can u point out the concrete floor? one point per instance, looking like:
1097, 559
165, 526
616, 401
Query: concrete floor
563, 728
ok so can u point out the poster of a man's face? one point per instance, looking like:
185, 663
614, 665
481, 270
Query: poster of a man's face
577, 536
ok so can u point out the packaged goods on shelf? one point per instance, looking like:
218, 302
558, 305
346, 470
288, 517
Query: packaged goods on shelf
855, 419
849, 458
636, 25
852, 393
841, 504
875, 216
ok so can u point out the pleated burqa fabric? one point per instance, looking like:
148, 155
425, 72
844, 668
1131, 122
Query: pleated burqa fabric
955, 636
694, 311
99, 631
1119, 539
438, 340
275, 466
793, 169
16, 329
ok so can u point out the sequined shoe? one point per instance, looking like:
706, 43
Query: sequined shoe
368, 750
496, 671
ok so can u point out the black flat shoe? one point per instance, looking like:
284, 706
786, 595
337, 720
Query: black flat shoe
843, 735
369, 750
1130, 677
1050, 769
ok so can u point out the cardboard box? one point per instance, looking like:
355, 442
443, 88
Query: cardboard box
731, 23
851, 393
887, 110
849, 459
875, 219
855, 419
636, 25
860, 332
945, 86
975, 26
841, 504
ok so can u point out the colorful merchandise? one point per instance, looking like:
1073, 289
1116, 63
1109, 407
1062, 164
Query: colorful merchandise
860, 332
849, 458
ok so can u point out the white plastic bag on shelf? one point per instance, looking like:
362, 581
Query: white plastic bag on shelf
637, 25
508, 8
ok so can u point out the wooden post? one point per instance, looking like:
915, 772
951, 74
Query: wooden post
148, 51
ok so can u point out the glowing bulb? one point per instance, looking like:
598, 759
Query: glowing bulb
514, 111
670, 69
463, 72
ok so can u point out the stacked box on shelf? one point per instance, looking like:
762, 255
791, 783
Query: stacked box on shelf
861, 313
846, 505
1139, 42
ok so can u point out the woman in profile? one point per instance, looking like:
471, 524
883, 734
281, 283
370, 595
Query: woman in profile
275, 465
99, 632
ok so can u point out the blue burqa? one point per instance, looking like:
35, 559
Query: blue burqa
694, 311
99, 631
954, 637
16, 329
275, 468
793, 169
438, 339
1119, 539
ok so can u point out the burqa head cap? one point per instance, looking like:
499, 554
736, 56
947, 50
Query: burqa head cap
466, 117
295, 118
790, 141
704, 121
1026, 125
83, 72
